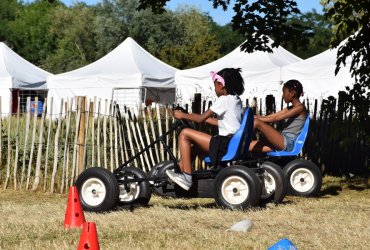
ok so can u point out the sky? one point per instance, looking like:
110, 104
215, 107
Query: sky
218, 15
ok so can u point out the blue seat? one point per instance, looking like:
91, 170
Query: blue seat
298, 144
239, 144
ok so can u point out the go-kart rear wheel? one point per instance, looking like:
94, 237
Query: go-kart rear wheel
98, 189
135, 192
274, 186
237, 187
304, 178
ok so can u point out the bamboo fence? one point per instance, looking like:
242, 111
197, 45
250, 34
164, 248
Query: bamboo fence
47, 151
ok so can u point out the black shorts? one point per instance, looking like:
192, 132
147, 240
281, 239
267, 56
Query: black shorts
218, 147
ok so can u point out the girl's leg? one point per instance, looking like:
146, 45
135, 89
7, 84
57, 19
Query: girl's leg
186, 138
275, 138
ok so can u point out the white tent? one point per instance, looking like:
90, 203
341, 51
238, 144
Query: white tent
120, 76
17, 73
317, 75
260, 70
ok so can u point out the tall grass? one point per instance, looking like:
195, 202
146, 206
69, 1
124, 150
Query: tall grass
337, 219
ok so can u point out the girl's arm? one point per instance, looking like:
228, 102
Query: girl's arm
212, 121
199, 118
283, 114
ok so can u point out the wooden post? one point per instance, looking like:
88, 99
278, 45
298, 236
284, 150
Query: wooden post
269, 104
34, 128
115, 136
81, 135
160, 130
111, 136
56, 147
48, 143
105, 134
76, 142
16, 147
148, 138
39, 151
66, 145
98, 134
197, 103
93, 134
27, 128
154, 136
130, 138
9, 147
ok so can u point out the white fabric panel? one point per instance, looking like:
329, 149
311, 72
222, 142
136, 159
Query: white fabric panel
127, 66
258, 69
317, 75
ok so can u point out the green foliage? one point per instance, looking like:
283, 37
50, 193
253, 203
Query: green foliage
318, 30
73, 32
8, 13
352, 21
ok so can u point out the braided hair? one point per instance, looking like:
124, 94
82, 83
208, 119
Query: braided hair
234, 82
296, 86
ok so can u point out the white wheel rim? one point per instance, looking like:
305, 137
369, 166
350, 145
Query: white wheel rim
269, 185
131, 193
93, 191
302, 180
235, 190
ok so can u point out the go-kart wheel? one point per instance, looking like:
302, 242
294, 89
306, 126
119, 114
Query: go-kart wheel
133, 193
237, 187
98, 189
163, 188
304, 178
274, 183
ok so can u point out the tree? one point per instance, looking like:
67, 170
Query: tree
8, 13
73, 33
28, 32
197, 45
319, 30
352, 21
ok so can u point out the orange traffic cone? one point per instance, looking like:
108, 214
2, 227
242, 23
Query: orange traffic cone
89, 237
74, 213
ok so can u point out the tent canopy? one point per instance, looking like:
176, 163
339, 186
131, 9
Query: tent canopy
127, 66
317, 74
18, 73
260, 70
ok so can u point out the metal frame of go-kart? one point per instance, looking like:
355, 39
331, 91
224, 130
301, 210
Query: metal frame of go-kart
255, 175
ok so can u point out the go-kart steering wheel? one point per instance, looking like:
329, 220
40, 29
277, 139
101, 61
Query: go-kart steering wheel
184, 122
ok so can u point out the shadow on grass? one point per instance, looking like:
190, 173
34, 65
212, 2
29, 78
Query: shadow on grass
331, 190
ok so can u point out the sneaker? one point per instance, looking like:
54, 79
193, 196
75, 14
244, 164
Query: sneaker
179, 179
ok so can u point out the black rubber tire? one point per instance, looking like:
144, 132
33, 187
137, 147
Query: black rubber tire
274, 175
244, 176
304, 178
163, 188
97, 177
139, 193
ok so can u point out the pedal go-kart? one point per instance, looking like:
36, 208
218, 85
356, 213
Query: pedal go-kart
238, 182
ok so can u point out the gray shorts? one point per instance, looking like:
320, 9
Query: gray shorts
289, 139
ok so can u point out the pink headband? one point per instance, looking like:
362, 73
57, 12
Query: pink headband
216, 77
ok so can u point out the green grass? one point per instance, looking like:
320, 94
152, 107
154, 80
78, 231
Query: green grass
337, 219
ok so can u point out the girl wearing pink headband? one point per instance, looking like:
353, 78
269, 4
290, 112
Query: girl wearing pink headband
229, 85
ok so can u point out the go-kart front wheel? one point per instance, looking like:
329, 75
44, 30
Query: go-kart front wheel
304, 178
237, 187
98, 189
